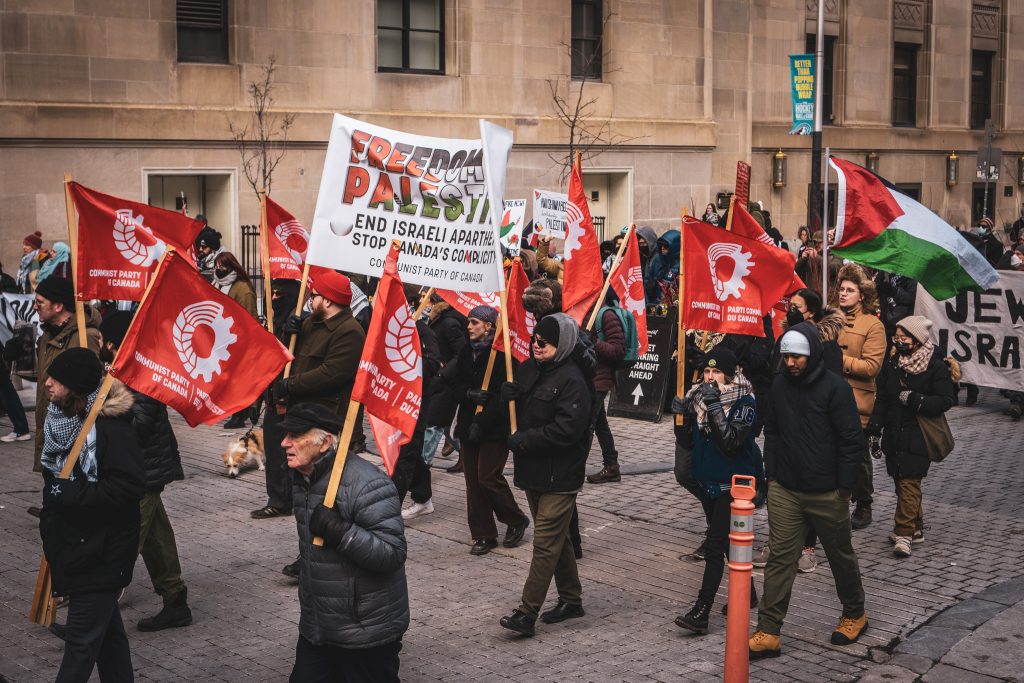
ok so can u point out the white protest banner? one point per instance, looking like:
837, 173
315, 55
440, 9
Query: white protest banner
982, 331
429, 193
15, 308
513, 220
549, 212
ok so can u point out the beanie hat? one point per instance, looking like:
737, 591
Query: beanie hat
35, 240
543, 297
918, 327
723, 359
794, 343
332, 286
58, 290
208, 237
78, 369
485, 314
115, 326
548, 330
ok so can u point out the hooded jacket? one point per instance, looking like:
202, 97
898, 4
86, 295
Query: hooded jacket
662, 267
355, 595
812, 435
91, 537
829, 327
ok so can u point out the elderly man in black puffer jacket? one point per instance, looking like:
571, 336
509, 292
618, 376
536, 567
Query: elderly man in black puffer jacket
352, 591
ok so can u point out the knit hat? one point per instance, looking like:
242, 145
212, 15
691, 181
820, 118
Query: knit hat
58, 290
35, 240
918, 327
723, 359
543, 297
795, 344
548, 330
78, 369
115, 326
305, 416
208, 237
484, 314
332, 286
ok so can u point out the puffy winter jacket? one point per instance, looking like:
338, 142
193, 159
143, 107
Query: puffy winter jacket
91, 538
160, 456
812, 435
610, 346
354, 595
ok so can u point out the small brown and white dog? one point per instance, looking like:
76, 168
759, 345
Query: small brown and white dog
245, 451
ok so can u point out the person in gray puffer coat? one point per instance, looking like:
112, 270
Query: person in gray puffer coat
353, 596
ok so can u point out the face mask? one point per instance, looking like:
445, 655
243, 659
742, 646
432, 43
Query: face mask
903, 348
222, 273
794, 317
1015, 261
106, 355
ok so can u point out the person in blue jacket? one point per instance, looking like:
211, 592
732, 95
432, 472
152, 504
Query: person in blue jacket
719, 428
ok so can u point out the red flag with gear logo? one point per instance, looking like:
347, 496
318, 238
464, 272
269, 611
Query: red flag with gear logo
582, 276
389, 382
464, 302
731, 281
520, 320
288, 239
193, 348
120, 243
627, 280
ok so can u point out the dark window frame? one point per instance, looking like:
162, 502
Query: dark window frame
826, 74
407, 30
587, 41
982, 85
202, 35
904, 84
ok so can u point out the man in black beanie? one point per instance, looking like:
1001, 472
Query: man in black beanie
89, 522
162, 465
208, 247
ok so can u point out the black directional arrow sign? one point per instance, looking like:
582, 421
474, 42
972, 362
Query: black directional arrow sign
640, 390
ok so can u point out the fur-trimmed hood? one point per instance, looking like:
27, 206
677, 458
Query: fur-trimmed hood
119, 401
437, 308
829, 326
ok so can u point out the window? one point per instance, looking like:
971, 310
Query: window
410, 36
904, 85
912, 190
587, 29
825, 74
202, 31
981, 87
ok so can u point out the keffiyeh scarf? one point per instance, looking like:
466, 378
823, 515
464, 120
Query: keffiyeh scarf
59, 433
917, 362
25, 267
731, 393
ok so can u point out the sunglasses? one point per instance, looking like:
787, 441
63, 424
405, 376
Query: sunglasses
539, 342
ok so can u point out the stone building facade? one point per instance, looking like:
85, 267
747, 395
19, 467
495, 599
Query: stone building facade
135, 97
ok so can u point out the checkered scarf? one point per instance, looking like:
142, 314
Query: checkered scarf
917, 362
59, 433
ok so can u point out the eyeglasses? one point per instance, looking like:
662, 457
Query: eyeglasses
896, 339
539, 343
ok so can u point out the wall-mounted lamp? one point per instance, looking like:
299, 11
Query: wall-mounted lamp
1020, 171
953, 169
779, 170
722, 200
871, 162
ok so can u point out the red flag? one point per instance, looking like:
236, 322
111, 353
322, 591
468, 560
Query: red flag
464, 302
192, 347
390, 378
520, 320
288, 242
743, 224
120, 243
582, 276
731, 282
627, 280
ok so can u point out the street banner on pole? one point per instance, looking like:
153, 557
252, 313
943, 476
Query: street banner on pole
429, 193
983, 331
549, 213
803, 72
513, 220
742, 184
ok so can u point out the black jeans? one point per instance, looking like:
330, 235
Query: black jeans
718, 514
330, 664
95, 637
279, 481
411, 474
12, 404
599, 425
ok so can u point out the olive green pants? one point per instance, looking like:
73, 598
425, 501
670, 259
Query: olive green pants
158, 548
552, 552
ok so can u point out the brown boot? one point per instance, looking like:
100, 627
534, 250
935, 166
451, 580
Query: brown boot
861, 517
608, 473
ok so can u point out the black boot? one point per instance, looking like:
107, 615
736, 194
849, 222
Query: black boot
753, 598
237, 420
175, 613
520, 622
697, 618
861, 517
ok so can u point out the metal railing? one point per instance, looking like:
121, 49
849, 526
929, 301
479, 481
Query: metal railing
253, 264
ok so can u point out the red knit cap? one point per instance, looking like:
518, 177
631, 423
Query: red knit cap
35, 240
332, 286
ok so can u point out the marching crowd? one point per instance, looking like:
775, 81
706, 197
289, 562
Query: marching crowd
853, 378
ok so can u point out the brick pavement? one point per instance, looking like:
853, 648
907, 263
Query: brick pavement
634, 584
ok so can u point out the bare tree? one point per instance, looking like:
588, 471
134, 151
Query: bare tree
262, 141
587, 132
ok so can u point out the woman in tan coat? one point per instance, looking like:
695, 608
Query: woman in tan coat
862, 342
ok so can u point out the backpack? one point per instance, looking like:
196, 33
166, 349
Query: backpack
629, 331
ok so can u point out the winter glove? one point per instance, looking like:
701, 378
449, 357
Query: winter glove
710, 393
478, 396
14, 349
475, 434
516, 442
511, 391
279, 392
875, 447
680, 406
293, 324
328, 525
905, 397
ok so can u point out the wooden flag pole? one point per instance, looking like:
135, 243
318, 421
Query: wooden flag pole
265, 248
344, 439
424, 302
303, 285
728, 220
681, 332
608, 279
489, 370
73, 243
508, 355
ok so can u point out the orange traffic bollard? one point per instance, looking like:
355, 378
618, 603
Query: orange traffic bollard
741, 555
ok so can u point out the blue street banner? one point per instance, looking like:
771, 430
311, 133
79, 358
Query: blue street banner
803, 70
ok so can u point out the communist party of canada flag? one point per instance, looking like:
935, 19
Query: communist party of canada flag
193, 348
120, 243
627, 280
288, 241
389, 382
520, 320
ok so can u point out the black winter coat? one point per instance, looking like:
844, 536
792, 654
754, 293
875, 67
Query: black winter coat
553, 415
932, 393
449, 328
159, 447
812, 435
610, 347
431, 365
466, 373
91, 537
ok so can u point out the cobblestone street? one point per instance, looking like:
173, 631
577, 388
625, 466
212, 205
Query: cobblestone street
246, 611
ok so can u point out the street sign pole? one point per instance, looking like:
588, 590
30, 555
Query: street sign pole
988, 165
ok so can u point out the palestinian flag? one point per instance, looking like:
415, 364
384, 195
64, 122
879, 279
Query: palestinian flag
878, 226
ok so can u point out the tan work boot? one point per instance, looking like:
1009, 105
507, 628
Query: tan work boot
608, 473
849, 629
764, 645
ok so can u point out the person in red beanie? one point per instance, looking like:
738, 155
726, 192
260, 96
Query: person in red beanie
30, 263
